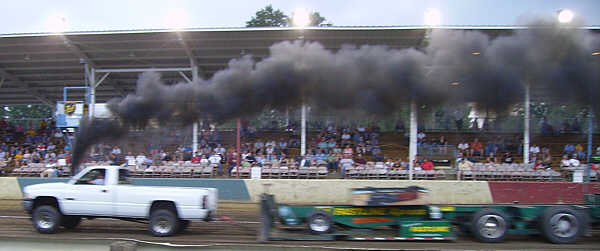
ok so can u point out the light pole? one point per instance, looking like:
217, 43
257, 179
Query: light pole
565, 16
301, 19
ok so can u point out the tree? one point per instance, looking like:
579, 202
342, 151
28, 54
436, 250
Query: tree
27, 112
315, 19
268, 17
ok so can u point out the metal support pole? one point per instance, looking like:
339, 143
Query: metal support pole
526, 126
412, 146
303, 131
589, 148
238, 149
92, 79
195, 126
195, 138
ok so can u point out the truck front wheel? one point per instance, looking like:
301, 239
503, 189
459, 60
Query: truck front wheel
46, 219
319, 222
163, 222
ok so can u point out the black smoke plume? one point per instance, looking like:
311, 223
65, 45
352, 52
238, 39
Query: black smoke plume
454, 67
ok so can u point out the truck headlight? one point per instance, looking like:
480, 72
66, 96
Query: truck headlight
284, 211
26, 196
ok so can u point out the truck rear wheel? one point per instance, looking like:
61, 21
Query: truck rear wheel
561, 225
46, 219
319, 222
163, 222
489, 225
71, 222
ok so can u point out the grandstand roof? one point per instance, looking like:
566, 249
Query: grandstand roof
36, 67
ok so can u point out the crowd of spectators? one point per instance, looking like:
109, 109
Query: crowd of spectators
36, 143
337, 148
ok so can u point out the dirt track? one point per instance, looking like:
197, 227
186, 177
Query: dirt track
243, 229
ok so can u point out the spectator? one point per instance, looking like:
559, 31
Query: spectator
564, 163
427, 165
476, 147
116, 150
390, 164
333, 160
215, 159
51, 172
377, 154
196, 159
345, 163
539, 165
140, 158
534, 150
569, 149
507, 158
579, 151
574, 162
491, 159
458, 119
360, 160
348, 151
463, 147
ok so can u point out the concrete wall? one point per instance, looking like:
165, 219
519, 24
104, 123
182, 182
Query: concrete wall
9, 189
338, 191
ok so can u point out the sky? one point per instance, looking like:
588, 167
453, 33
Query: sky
31, 16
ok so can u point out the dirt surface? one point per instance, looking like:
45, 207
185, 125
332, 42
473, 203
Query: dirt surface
238, 224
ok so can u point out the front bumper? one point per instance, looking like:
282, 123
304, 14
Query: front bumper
28, 205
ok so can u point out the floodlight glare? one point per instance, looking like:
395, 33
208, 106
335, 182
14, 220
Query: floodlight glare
56, 23
301, 18
433, 17
176, 19
565, 16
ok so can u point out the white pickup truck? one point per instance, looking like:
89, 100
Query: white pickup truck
107, 192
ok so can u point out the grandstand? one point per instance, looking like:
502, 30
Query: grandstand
35, 69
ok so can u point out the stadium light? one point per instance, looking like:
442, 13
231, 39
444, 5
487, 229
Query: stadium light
301, 18
595, 53
476, 53
176, 19
432, 17
456, 83
56, 23
565, 16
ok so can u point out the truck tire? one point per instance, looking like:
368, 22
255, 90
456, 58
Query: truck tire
319, 222
163, 222
489, 225
70, 222
46, 219
561, 225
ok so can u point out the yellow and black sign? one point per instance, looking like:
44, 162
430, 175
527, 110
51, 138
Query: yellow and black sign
429, 229
380, 211
70, 108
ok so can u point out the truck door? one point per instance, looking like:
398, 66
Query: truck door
90, 195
